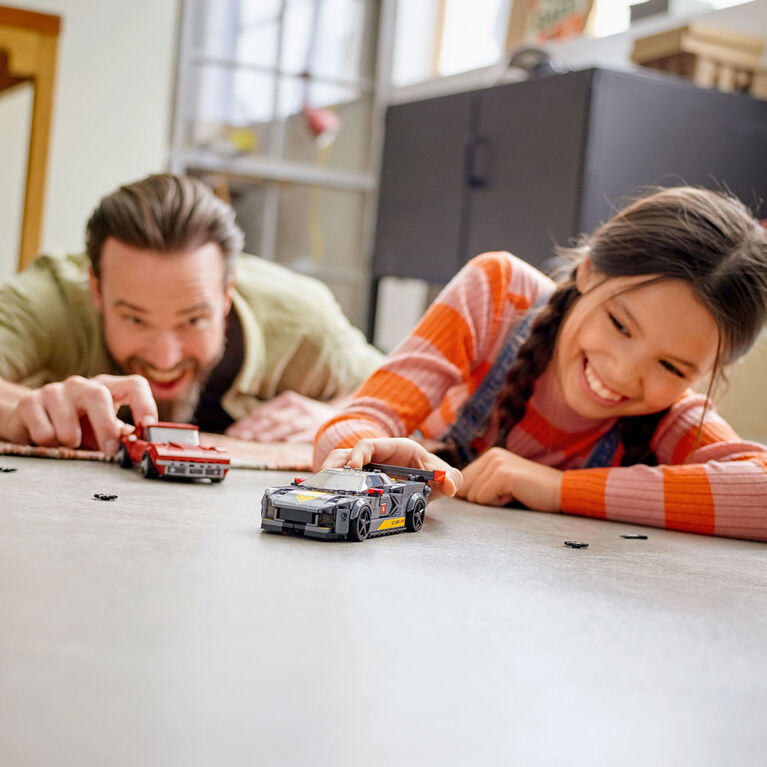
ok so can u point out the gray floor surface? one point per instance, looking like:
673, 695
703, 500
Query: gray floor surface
165, 629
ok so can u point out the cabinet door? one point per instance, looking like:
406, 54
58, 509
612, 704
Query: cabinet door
527, 173
655, 129
421, 191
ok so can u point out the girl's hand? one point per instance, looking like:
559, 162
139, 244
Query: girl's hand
396, 451
498, 477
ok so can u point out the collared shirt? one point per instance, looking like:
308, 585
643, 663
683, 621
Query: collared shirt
294, 334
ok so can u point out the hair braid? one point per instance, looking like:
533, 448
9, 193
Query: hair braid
533, 357
636, 433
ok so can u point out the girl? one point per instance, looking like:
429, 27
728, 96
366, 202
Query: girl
576, 397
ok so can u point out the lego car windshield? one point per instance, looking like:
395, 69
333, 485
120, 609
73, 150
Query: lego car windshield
336, 479
173, 434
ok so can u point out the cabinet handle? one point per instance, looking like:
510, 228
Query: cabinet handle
477, 161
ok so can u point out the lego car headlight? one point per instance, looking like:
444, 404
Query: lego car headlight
326, 519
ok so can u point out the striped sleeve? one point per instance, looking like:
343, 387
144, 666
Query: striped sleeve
709, 481
446, 353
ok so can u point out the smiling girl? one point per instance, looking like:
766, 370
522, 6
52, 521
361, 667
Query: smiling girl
576, 396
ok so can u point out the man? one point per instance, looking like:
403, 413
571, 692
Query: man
166, 316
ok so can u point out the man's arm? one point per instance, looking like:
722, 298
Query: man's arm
51, 415
46, 321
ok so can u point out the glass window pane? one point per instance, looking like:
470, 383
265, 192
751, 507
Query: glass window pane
231, 109
343, 44
242, 30
415, 26
474, 34
350, 149
248, 200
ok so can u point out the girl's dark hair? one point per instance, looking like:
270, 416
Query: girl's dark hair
164, 213
709, 240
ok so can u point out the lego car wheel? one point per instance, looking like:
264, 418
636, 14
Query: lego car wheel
123, 457
359, 528
414, 518
148, 469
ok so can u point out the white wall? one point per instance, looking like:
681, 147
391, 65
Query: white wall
112, 112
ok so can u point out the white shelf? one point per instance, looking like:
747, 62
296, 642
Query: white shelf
255, 167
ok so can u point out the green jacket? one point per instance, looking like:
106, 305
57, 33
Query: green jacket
295, 335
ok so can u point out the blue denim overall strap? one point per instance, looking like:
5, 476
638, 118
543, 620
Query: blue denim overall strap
474, 416
604, 450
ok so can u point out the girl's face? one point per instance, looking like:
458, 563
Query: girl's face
624, 352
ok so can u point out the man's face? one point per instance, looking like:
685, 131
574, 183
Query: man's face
164, 318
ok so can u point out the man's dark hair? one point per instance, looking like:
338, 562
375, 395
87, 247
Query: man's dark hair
164, 213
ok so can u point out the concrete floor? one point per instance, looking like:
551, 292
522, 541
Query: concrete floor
165, 629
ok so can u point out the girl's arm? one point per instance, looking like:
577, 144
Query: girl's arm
717, 486
448, 353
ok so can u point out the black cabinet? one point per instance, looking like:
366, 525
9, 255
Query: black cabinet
527, 165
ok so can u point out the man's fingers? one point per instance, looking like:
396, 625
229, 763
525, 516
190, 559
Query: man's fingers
267, 426
52, 415
94, 401
133, 391
62, 412
239, 431
34, 417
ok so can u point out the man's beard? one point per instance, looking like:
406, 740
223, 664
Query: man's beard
181, 409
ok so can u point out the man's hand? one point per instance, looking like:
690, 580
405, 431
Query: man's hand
288, 417
498, 477
396, 451
50, 416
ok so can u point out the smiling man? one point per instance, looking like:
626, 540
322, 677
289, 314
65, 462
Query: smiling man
166, 316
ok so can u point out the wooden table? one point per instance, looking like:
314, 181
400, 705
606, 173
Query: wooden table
165, 629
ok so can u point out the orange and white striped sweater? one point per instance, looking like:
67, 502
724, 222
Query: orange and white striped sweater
712, 482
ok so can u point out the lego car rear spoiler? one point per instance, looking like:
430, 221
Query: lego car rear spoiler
407, 472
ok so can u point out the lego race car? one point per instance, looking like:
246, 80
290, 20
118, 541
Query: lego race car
350, 503
167, 449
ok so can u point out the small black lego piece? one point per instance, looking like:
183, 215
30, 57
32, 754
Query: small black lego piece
635, 536
104, 497
7, 469
576, 545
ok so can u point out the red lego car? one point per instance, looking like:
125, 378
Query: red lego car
167, 449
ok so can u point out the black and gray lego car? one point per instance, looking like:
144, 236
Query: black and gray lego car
350, 503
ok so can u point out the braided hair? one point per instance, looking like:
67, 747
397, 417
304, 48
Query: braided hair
709, 240
533, 357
